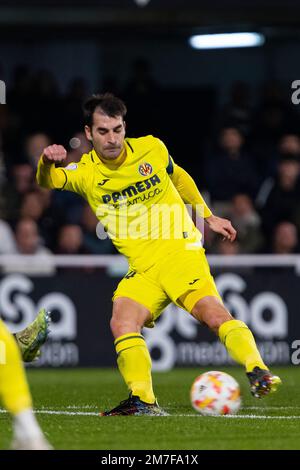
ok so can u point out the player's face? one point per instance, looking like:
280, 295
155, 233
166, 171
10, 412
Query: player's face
107, 135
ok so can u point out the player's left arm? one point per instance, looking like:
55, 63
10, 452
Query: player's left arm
190, 194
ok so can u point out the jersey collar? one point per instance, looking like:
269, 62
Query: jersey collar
114, 165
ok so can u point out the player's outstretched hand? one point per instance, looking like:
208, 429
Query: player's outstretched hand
222, 226
54, 154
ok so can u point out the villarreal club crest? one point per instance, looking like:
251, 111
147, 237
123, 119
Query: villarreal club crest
145, 169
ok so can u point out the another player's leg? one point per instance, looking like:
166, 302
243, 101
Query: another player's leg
34, 336
239, 342
133, 359
15, 395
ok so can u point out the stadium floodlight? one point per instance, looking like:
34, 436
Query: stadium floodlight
142, 3
226, 40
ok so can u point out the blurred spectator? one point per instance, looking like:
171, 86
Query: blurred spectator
34, 147
91, 242
66, 202
32, 206
45, 96
275, 116
45, 86
19, 95
288, 145
246, 221
229, 169
2, 186
79, 145
142, 92
28, 243
22, 182
77, 91
38, 206
23, 178
72, 107
238, 111
7, 239
21, 83
225, 247
279, 198
285, 239
141, 82
69, 205
3, 126
70, 240
27, 238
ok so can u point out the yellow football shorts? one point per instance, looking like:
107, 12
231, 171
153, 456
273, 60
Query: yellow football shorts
183, 272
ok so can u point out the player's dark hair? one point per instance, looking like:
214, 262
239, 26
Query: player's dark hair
107, 103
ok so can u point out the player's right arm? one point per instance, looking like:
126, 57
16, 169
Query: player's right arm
48, 176
71, 178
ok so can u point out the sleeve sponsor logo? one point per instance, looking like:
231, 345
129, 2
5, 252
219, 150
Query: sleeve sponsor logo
72, 166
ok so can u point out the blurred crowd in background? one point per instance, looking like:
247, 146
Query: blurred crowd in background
244, 156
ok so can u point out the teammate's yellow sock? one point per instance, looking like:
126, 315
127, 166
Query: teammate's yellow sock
134, 363
240, 344
14, 391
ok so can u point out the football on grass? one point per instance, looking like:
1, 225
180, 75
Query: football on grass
215, 393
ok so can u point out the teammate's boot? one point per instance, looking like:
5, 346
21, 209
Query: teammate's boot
134, 406
262, 382
34, 336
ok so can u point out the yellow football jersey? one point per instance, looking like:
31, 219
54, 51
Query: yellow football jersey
137, 202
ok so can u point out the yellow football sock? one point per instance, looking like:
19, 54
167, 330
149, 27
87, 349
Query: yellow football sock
240, 344
134, 364
14, 391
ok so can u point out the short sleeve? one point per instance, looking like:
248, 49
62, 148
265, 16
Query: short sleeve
75, 178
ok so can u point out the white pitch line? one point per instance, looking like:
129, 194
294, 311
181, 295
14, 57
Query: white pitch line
67, 413
62, 412
262, 408
170, 408
259, 417
237, 416
90, 413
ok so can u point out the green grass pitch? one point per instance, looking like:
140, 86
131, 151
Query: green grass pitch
67, 402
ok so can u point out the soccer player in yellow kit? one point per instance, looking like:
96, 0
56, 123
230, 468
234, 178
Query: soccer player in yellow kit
131, 184
15, 396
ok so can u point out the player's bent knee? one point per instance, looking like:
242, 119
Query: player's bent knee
120, 327
128, 316
214, 322
211, 312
